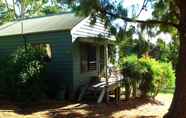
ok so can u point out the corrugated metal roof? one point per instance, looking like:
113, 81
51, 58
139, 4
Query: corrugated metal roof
64, 21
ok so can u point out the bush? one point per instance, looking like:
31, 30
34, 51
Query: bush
169, 75
147, 74
21, 74
131, 70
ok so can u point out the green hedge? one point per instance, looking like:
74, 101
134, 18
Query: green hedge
147, 74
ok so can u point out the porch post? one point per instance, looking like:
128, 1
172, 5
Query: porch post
106, 72
98, 60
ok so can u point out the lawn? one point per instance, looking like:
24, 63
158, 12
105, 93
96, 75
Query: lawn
136, 108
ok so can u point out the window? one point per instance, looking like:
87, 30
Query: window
47, 50
88, 57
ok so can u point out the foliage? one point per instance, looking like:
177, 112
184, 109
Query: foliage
174, 52
17, 9
21, 74
149, 74
164, 52
154, 73
131, 66
134, 46
169, 75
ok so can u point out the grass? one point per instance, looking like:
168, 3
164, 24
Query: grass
168, 90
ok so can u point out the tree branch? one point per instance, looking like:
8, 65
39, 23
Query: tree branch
36, 9
142, 8
152, 22
13, 3
7, 6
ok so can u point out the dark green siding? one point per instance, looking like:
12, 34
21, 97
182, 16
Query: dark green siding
9, 44
61, 64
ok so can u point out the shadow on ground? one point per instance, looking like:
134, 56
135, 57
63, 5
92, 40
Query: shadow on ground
67, 109
90, 110
25, 109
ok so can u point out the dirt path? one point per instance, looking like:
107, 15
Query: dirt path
131, 109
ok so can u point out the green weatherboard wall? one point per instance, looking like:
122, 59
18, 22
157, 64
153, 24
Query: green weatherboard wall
61, 64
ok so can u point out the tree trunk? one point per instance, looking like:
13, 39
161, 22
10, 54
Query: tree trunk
178, 105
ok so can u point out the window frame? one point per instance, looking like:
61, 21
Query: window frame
86, 59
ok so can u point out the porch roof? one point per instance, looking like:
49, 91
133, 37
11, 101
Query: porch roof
96, 40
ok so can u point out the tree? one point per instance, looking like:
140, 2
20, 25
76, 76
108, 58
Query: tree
18, 9
168, 16
167, 52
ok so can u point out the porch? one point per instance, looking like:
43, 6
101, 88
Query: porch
88, 60
91, 71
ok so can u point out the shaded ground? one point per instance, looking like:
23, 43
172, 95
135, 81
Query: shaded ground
125, 109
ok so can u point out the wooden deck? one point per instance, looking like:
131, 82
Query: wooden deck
114, 84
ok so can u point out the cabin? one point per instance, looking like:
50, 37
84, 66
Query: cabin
76, 48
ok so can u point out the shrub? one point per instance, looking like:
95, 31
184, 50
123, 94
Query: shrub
169, 75
131, 70
154, 76
147, 74
25, 68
